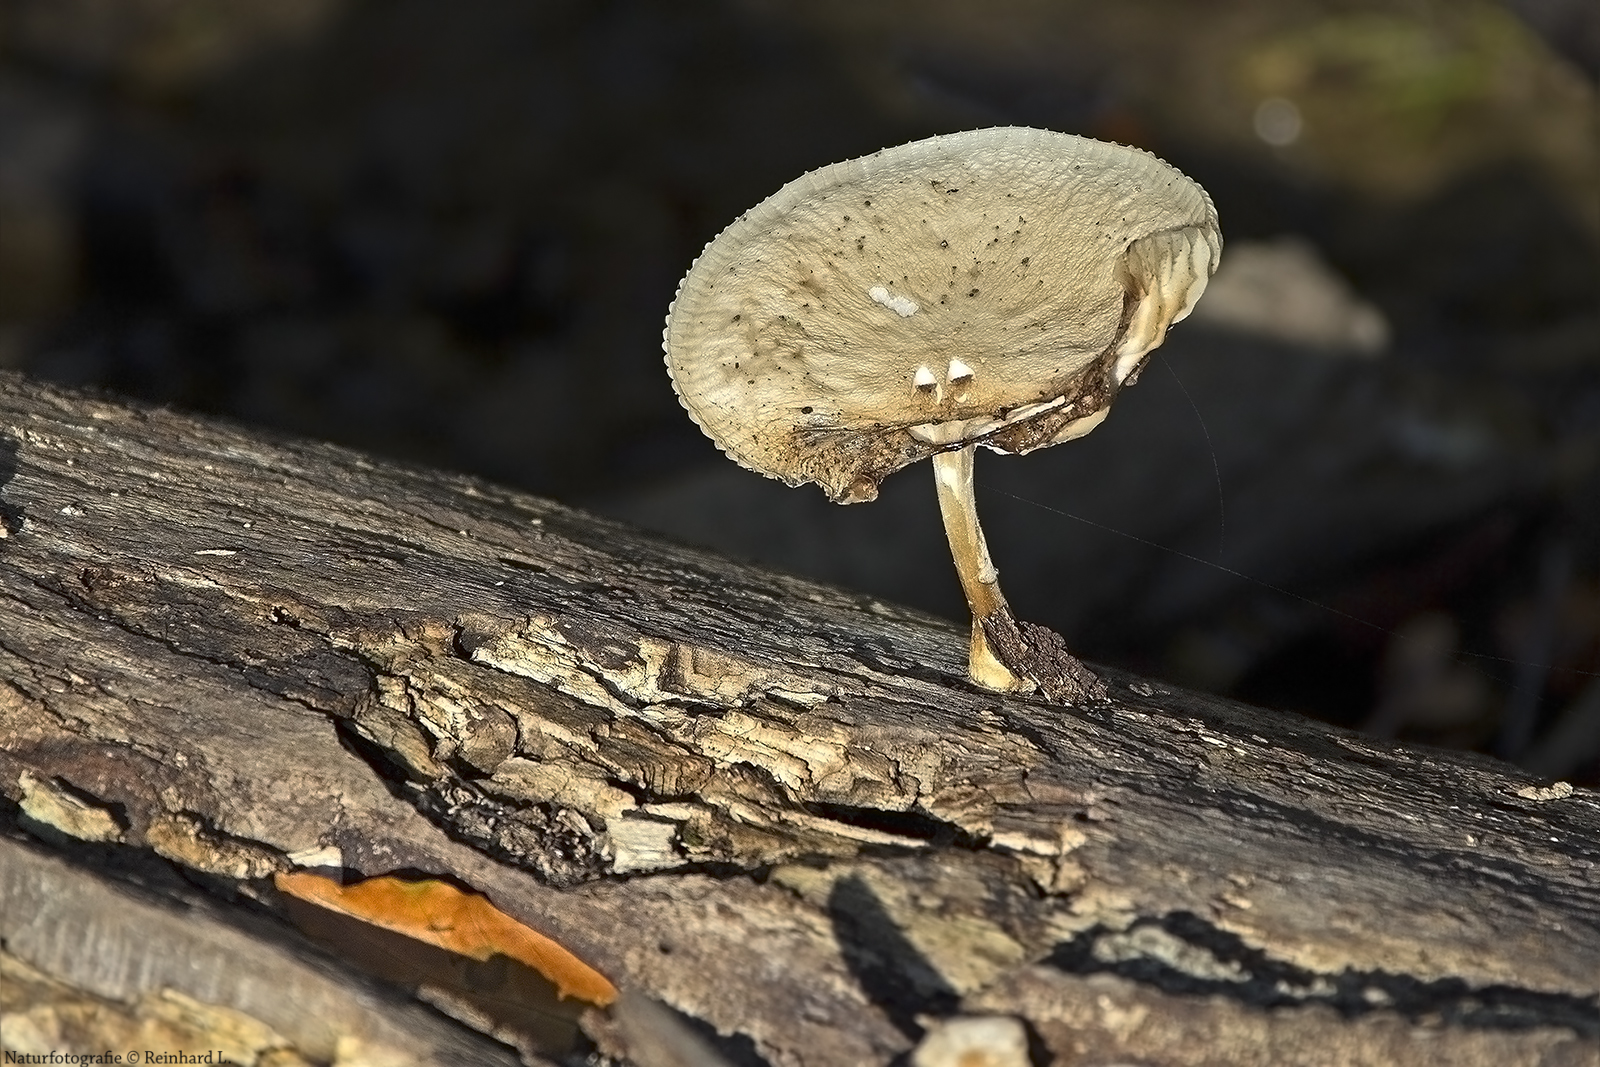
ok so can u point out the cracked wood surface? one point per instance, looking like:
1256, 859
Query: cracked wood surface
776, 806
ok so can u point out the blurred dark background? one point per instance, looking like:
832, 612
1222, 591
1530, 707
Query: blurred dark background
1363, 482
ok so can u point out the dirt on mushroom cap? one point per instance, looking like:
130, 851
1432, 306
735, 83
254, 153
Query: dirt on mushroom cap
995, 285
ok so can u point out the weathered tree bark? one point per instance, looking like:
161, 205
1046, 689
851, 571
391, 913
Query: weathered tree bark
778, 807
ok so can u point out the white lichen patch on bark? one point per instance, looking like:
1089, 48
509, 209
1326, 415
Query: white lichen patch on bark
1154, 943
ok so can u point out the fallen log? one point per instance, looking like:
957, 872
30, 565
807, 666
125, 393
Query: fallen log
777, 807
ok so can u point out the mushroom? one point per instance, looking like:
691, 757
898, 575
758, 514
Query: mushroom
993, 287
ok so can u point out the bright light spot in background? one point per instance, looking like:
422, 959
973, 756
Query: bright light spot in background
1277, 121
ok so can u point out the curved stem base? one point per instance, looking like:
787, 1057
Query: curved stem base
1005, 655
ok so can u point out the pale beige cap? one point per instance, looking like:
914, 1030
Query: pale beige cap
994, 286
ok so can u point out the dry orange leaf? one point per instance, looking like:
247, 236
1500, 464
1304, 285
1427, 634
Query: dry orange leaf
465, 923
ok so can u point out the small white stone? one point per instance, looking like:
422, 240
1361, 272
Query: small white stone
975, 1041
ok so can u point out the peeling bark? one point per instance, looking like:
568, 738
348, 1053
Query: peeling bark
777, 807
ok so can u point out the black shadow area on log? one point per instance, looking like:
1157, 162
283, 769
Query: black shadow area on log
11, 515
1183, 954
893, 973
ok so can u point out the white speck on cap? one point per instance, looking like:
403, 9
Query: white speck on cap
898, 304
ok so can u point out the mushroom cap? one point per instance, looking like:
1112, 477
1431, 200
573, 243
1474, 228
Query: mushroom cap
994, 286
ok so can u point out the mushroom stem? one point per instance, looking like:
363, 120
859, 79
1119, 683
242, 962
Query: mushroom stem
952, 472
